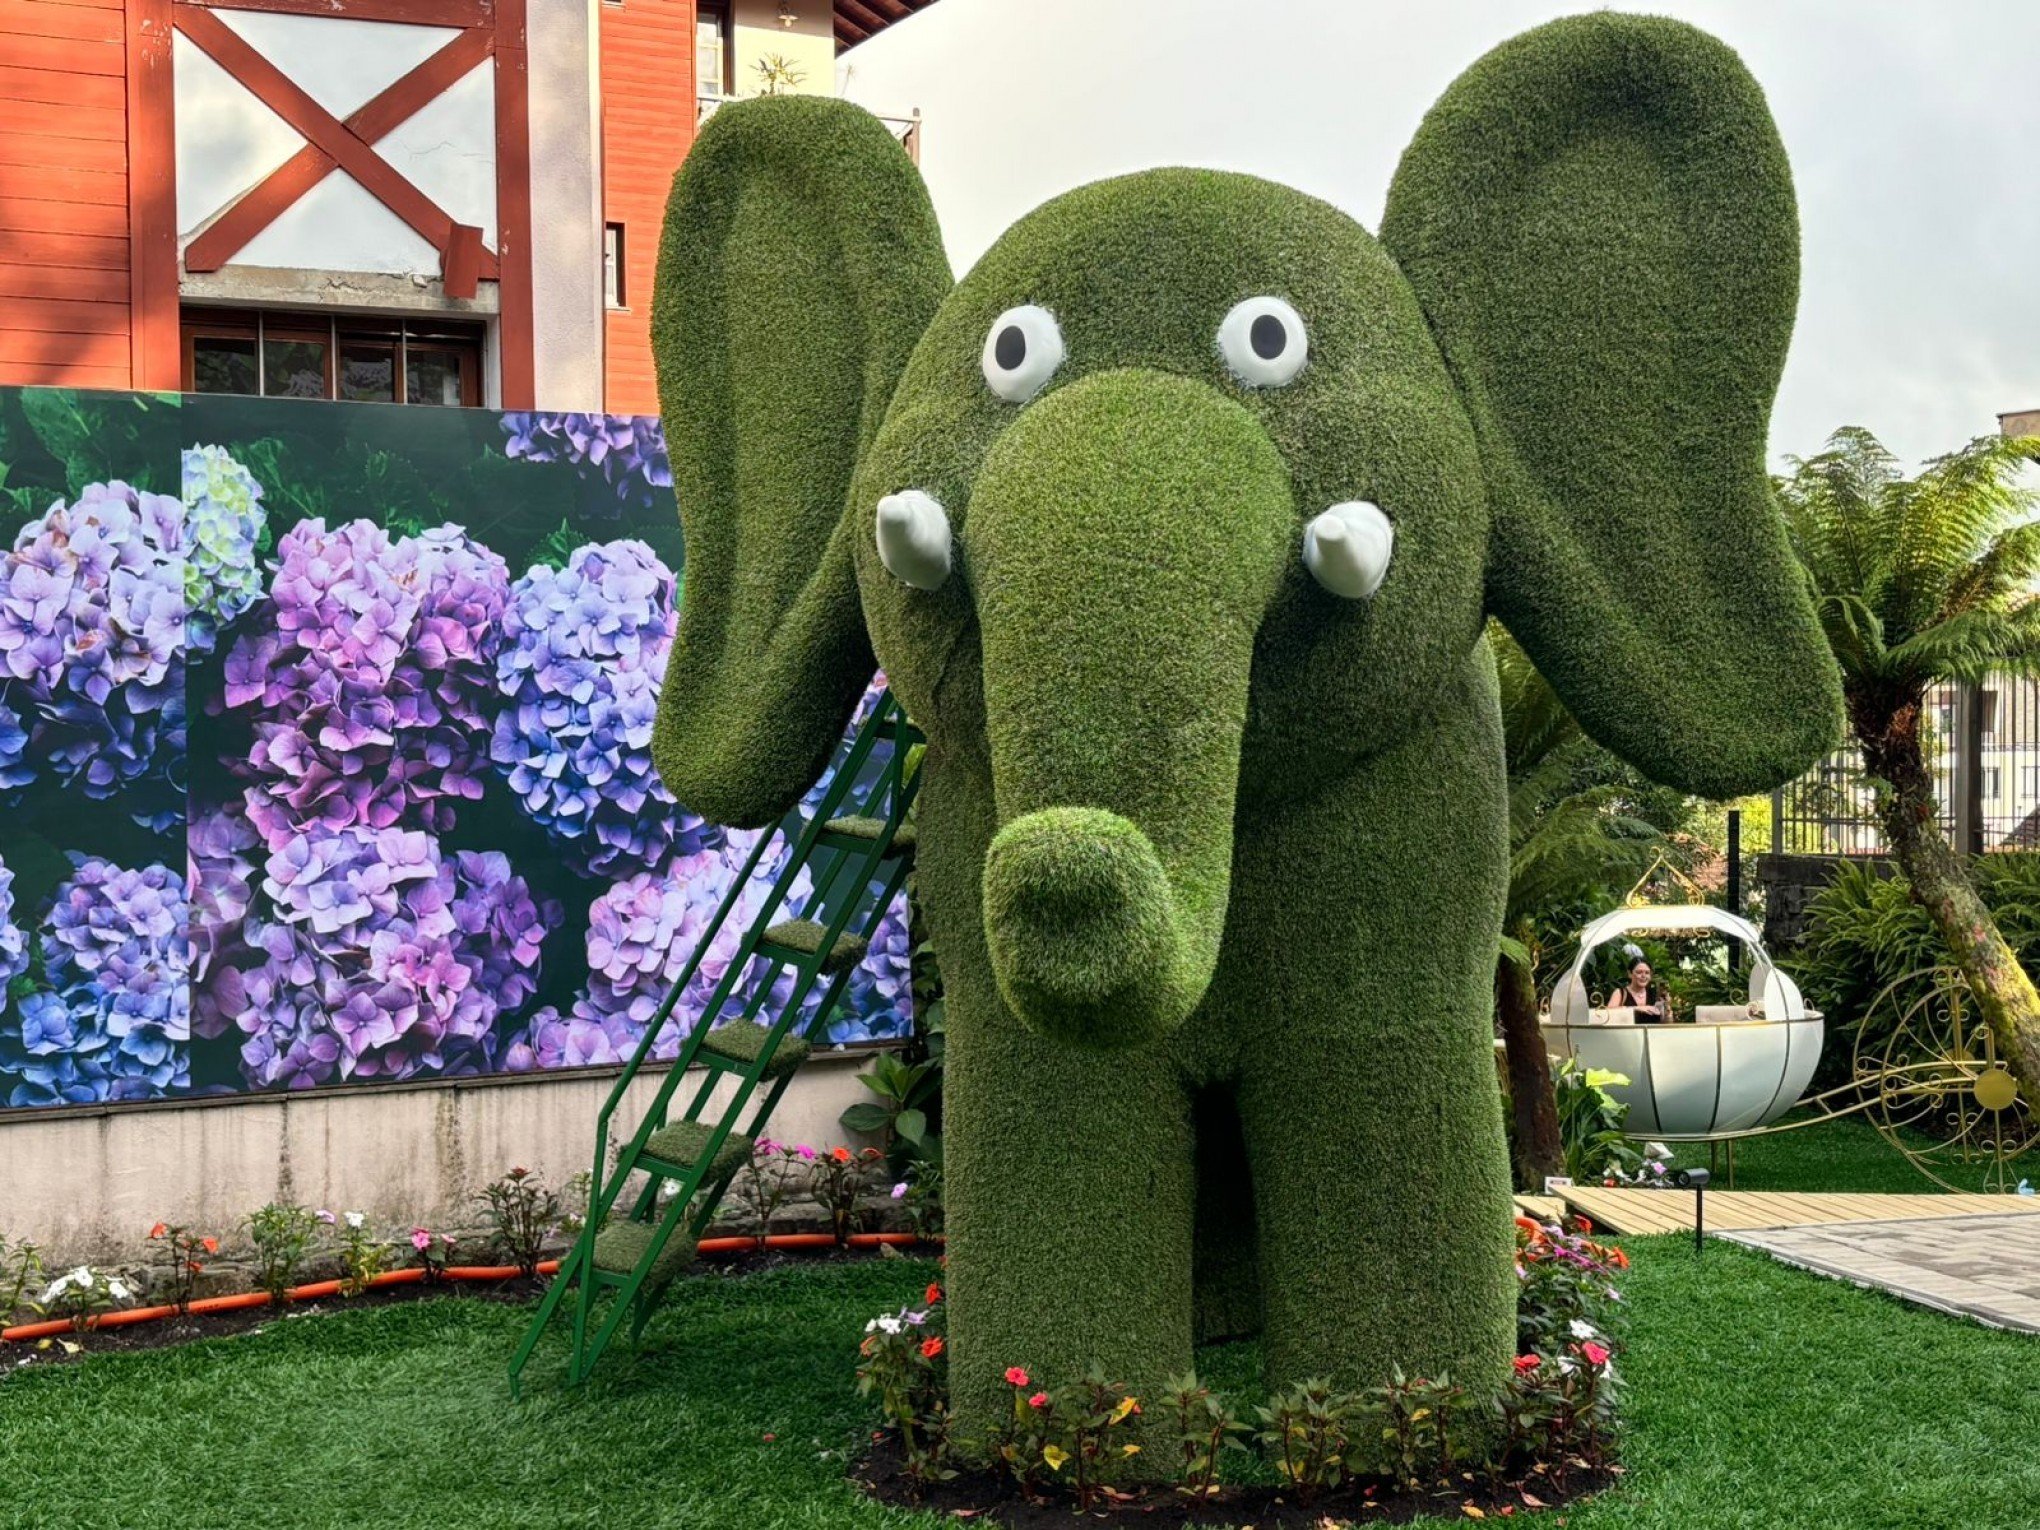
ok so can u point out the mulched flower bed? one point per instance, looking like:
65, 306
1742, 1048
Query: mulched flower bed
991, 1497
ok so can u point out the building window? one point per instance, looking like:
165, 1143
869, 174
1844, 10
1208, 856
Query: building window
1993, 782
357, 357
714, 59
612, 266
2029, 782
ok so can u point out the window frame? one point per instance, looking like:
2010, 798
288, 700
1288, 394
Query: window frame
466, 340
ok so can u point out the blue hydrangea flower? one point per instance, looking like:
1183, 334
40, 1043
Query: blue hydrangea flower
223, 522
584, 649
628, 451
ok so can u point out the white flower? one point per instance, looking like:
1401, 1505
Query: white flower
83, 1276
118, 1288
1582, 1329
1567, 1365
889, 1324
355, 1219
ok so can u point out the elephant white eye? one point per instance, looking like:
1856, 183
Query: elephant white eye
1022, 352
1263, 341
1348, 547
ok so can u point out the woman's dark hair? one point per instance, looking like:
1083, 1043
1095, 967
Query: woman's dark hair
1638, 960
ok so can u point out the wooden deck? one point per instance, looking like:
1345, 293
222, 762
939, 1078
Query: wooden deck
1668, 1211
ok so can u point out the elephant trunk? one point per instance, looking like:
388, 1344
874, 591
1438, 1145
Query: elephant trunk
1125, 538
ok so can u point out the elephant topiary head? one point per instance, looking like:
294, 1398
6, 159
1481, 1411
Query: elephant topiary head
1192, 493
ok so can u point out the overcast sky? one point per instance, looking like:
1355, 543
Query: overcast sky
1913, 127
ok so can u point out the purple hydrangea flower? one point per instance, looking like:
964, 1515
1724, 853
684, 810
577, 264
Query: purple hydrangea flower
380, 957
92, 639
16, 767
629, 451
877, 1001
578, 1040
223, 523
584, 649
13, 942
367, 685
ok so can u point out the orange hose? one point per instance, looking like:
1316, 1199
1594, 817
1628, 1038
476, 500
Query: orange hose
245, 1300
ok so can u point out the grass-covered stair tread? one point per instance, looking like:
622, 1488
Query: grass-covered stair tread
860, 826
686, 1143
804, 937
620, 1245
743, 1042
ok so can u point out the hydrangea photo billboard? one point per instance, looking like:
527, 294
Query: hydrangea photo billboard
325, 750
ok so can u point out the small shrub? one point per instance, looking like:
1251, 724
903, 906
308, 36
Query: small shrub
775, 1172
363, 1255
178, 1251
1590, 1122
84, 1293
904, 1364
841, 1178
1206, 1428
282, 1235
21, 1267
1304, 1432
1023, 1441
1565, 1281
522, 1212
434, 1251
921, 1200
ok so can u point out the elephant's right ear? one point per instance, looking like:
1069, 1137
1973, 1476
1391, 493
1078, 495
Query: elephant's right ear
799, 265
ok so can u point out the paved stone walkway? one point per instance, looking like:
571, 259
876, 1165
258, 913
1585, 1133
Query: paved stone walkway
1982, 1267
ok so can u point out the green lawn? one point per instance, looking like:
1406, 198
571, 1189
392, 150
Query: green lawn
1848, 1154
1761, 1398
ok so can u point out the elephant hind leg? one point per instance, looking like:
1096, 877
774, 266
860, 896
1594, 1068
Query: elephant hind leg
1225, 1255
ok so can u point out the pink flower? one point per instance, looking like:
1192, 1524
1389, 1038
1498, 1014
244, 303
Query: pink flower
807, 1153
1525, 1364
327, 1217
899, 1191
1597, 1354
1015, 1377
421, 1240
1038, 1400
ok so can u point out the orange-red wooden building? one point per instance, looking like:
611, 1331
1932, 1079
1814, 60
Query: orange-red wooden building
423, 201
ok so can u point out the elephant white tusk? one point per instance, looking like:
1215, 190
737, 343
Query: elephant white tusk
1347, 548
913, 538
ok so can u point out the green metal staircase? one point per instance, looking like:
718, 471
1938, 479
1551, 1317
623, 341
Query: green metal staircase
856, 846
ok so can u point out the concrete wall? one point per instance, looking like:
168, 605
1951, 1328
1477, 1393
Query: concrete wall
87, 1186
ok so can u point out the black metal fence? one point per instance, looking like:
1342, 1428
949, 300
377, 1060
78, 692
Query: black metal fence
1983, 745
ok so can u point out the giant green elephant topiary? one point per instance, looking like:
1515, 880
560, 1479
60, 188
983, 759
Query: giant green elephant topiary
1175, 524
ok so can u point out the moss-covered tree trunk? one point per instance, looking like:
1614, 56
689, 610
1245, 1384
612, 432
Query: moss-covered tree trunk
1535, 1143
1940, 880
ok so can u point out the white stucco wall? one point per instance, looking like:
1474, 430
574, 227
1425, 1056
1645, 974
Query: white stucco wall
566, 203
88, 1186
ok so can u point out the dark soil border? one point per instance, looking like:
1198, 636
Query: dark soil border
990, 1497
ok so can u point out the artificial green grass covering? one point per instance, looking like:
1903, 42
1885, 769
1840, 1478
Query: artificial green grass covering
799, 263
686, 1143
620, 1245
1760, 1396
1215, 858
743, 1041
1599, 220
805, 937
858, 826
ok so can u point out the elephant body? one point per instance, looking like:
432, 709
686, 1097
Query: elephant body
1334, 1090
1176, 525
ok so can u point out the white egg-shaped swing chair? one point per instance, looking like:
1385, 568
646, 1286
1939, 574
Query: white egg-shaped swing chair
1732, 1068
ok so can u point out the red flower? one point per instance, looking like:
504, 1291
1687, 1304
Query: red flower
1617, 1258
1597, 1354
1525, 1364
841, 1154
1581, 1224
1038, 1400
933, 1294
158, 1230
1015, 1377
930, 1348
210, 1245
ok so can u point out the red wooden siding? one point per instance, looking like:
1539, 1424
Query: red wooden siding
647, 124
65, 279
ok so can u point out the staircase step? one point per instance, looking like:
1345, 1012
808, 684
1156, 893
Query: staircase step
742, 1042
847, 833
800, 939
684, 1142
620, 1245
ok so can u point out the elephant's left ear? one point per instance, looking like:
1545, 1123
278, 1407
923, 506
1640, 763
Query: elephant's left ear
1598, 220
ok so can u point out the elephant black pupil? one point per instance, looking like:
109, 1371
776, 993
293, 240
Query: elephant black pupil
1011, 349
1268, 337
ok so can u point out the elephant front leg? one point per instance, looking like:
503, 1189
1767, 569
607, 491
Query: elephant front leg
1382, 1203
1070, 1195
